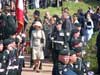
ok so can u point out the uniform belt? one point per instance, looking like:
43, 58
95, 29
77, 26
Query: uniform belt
12, 67
20, 56
59, 42
2, 70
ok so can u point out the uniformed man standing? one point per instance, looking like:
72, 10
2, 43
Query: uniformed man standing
59, 41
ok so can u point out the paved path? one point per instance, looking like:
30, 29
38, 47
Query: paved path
46, 70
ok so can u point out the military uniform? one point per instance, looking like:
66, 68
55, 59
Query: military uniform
10, 56
13, 64
74, 41
2, 62
64, 68
81, 67
59, 41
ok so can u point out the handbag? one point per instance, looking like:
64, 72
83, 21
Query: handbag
42, 39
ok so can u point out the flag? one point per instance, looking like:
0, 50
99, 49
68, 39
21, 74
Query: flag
20, 14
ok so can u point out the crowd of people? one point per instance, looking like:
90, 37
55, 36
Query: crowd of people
61, 38
12, 44
65, 38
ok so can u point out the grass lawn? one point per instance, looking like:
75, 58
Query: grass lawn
91, 52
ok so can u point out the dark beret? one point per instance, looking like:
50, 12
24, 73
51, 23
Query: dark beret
74, 31
64, 52
79, 49
72, 52
8, 41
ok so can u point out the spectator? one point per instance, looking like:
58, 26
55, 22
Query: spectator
88, 28
37, 45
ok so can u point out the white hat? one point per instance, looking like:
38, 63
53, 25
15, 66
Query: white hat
37, 23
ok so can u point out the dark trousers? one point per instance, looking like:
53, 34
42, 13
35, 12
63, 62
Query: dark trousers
2, 73
55, 54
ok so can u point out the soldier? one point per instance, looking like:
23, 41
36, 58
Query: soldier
65, 65
63, 60
59, 41
2, 60
75, 40
12, 67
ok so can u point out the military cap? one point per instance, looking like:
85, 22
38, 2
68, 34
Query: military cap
1, 42
79, 49
72, 52
8, 41
77, 24
74, 31
64, 52
59, 21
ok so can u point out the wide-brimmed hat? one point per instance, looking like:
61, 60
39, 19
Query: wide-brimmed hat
37, 23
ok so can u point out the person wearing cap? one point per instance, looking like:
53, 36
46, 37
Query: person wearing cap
63, 60
77, 26
37, 41
10, 57
75, 39
78, 64
2, 60
74, 63
66, 60
59, 41
36, 17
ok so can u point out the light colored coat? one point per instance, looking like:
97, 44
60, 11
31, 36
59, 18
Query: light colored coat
36, 45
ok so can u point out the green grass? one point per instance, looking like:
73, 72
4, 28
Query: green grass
91, 52
74, 6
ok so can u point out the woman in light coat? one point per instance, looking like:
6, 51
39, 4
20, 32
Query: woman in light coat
37, 44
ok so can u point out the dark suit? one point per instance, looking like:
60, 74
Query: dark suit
67, 25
